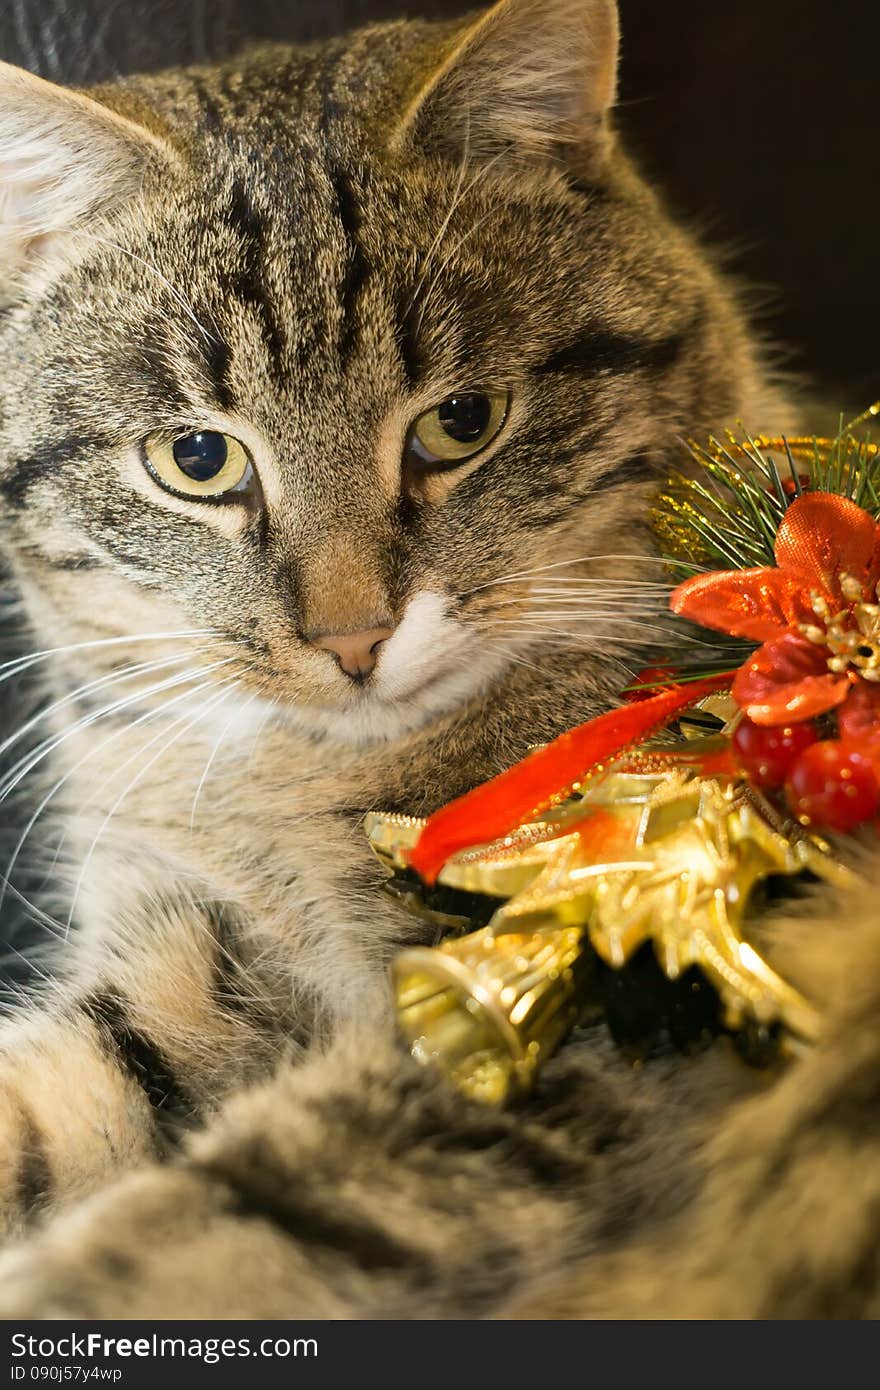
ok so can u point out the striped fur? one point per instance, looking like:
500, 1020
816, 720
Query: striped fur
203, 1112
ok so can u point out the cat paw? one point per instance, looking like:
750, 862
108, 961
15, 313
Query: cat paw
103, 1257
165, 1244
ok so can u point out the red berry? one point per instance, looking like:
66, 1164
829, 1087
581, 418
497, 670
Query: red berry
832, 787
789, 488
767, 752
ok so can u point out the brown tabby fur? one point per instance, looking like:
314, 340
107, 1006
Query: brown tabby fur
207, 1114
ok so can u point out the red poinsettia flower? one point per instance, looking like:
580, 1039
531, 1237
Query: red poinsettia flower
816, 614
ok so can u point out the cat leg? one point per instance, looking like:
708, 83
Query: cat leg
361, 1185
354, 1188
70, 1113
106, 1071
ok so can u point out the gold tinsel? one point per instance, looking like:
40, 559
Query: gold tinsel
670, 857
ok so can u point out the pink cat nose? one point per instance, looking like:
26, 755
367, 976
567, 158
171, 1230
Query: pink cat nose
356, 652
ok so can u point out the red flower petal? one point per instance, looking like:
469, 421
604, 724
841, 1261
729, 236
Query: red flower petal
759, 603
788, 680
823, 535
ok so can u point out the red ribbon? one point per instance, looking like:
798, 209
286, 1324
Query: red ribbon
546, 776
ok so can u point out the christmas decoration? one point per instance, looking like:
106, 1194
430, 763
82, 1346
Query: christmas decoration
618, 838
767, 754
815, 612
668, 856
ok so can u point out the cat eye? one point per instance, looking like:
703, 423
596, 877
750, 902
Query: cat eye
457, 429
206, 465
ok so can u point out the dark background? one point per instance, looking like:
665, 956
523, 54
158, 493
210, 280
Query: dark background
758, 117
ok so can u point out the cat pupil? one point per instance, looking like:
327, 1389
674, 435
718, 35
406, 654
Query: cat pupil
201, 456
465, 418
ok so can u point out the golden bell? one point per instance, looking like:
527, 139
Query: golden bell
489, 1008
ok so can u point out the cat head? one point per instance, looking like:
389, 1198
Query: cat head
337, 353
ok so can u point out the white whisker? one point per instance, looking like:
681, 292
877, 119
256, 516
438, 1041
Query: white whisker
508, 651
110, 678
87, 757
172, 290
220, 696
566, 583
453, 204
480, 176
575, 608
516, 575
258, 732
11, 668
214, 751
29, 961
25, 765
595, 642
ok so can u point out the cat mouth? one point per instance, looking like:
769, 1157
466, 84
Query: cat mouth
387, 706
369, 691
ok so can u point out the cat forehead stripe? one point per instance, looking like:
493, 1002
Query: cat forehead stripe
604, 350
357, 265
248, 281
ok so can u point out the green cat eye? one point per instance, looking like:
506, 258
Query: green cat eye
206, 464
458, 428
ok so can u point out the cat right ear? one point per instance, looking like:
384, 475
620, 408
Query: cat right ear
64, 159
531, 80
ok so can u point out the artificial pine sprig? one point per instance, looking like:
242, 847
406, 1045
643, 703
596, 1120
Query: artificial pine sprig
726, 515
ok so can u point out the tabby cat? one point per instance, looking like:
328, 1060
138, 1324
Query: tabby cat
336, 379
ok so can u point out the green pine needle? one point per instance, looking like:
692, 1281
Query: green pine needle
726, 513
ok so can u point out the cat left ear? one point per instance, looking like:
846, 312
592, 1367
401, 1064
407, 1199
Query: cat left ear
532, 79
64, 158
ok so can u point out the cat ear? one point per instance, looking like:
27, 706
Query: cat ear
64, 158
535, 78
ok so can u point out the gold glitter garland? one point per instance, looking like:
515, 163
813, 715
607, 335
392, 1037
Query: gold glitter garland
649, 853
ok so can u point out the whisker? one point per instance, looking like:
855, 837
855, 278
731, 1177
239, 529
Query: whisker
604, 640
258, 733
221, 695
586, 614
186, 695
25, 765
110, 678
214, 751
44, 919
480, 222
172, 290
514, 575
631, 632
87, 757
453, 204
480, 176
560, 583
511, 654
657, 602
632, 619
29, 961
11, 668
